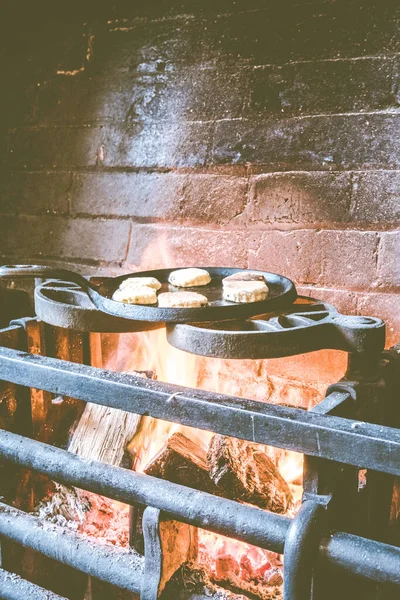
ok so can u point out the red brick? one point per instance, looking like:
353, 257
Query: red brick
292, 254
333, 258
348, 258
58, 237
316, 368
373, 304
389, 259
167, 196
157, 247
385, 307
344, 301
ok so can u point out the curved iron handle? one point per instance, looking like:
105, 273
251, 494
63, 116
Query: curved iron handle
45, 272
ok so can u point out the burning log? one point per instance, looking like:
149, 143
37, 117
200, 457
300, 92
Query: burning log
182, 461
244, 472
232, 468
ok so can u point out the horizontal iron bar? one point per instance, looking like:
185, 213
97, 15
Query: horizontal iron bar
13, 587
258, 527
360, 556
246, 523
108, 563
357, 443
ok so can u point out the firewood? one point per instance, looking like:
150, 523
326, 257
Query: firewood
182, 461
103, 433
244, 472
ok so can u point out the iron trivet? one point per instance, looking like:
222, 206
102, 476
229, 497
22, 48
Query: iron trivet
308, 326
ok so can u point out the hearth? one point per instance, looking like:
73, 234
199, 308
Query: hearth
341, 540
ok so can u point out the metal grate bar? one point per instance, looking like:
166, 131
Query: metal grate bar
368, 558
360, 444
114, 565
13, 587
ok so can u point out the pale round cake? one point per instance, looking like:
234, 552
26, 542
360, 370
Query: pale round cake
245, 291
244, 276
138, 295
189, 277
150, 282
181, 300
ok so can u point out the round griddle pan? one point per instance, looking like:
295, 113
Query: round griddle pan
282, 294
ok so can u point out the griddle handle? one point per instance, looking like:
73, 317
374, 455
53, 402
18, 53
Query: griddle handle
44, 272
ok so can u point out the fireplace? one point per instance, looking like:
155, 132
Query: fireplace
197, 523
249, 134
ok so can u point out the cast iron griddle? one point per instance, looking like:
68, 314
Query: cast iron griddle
282, 293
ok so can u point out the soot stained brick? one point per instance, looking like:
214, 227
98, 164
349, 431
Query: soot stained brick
150, 45
35, 193
157, 145
57, 237
305, 32
272, 35
322, 86
345, 142
165, 196
193, 94
56, 147
314, 197
376, 197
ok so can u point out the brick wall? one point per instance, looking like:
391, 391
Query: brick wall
239, 133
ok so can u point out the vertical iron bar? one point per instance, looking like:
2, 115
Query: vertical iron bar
301, 551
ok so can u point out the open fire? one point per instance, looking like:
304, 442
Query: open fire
236, 565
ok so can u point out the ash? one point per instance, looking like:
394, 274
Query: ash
193, 582
66, 507
89, 514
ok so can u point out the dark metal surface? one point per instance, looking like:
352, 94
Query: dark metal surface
252, 525
361, 556
308, 326
67, 305
301, 551
153, 554
108, 563
13, 587
354, 442
282, 294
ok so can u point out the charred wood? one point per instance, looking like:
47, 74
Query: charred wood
244, 472
182, 461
